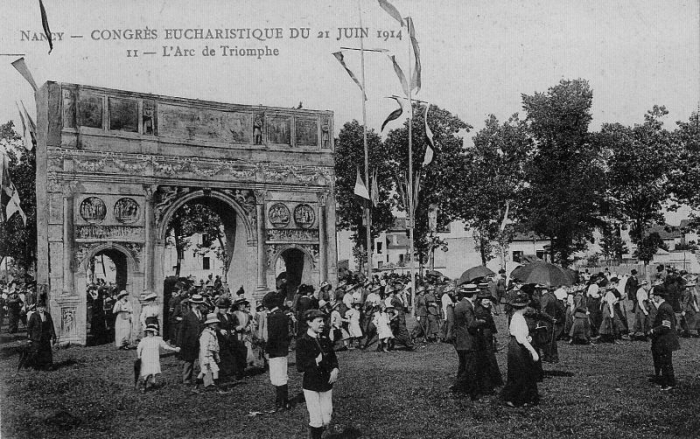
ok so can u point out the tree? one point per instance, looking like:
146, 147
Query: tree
612, 244
639, 160
564, 175
648, 246
436, 179
192, 219
684, 180
348, 158
18, 240
493, 178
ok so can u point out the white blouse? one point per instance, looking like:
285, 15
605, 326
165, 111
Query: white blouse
518, 328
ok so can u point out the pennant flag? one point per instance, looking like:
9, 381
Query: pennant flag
31, 126
375, 189
416, 190
429, 150
13, 204
25, 135
394, 114
339, 56
505, 221
391, 10
399, 73
45, 25
360, 188
416, 76
21, 67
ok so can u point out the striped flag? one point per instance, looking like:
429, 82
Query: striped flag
360, 188
341, 59
391, 10
416, 77
25, 135
13, 203
429, 149
375, 189
45, 25
21, 67
394, 114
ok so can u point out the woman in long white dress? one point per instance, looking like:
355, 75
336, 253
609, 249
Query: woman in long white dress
150, 311
123, 311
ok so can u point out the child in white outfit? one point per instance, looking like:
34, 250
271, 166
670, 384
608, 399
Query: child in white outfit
148, 351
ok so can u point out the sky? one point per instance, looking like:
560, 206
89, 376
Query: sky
478, 58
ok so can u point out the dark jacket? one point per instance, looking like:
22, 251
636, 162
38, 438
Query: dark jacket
188, 336
550, 305
277, 334
316, 375
465, 326
39, 331
663, 337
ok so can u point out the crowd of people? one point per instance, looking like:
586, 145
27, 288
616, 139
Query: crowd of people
219, 331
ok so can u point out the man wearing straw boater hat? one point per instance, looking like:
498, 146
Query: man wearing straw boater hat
188, 336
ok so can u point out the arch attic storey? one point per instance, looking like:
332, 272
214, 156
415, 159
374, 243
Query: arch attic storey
114, 166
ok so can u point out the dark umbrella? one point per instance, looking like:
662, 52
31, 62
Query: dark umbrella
542, 273
474, 273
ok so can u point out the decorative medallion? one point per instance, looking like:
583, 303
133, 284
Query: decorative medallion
93, 210
126, 210
304, 216
279, 215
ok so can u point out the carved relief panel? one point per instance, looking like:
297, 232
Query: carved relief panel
109, 218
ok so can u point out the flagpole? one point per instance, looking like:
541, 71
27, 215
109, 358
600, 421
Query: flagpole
368, 208
411, 195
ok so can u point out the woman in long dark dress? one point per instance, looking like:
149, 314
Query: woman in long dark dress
489, 376
521, 385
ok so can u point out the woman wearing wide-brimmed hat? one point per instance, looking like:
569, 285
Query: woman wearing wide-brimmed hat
521, 385
488, 373
150, 310
123, 311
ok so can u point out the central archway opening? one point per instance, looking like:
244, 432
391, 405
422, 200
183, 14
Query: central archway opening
108, 273
291, 262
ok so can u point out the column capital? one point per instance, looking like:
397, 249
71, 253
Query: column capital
72, 188
260, 196
322, 198
150, 190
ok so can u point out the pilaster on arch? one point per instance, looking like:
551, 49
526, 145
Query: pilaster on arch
251, 234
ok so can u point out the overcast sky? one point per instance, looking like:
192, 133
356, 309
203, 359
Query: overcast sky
478, 57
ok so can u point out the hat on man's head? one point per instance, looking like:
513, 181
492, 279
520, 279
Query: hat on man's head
449, 288
150, 296
313, 314
41, 303
271, 300
212, 318
485, 295
468, 289
197, 299
223, 302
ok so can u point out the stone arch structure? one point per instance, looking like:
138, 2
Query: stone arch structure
114, 166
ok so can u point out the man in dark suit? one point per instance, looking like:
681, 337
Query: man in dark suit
550, 305
188, 336
664, 339
465, 328
277, 348
41, 334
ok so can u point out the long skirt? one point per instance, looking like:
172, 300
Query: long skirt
488, 375
41, 355
521, 385
122, 328
580, 329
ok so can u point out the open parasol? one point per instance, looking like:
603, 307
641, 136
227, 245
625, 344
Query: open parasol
474, 273
542, 273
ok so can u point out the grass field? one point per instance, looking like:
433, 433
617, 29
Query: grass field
597, 391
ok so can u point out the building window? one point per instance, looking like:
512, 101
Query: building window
206, 240
379, 247
517, 256
205, 263
401, 260
540, 254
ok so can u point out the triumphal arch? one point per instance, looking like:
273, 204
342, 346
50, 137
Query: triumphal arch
114, 167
